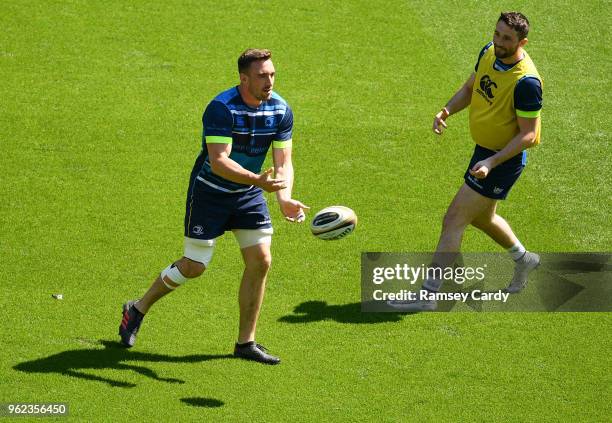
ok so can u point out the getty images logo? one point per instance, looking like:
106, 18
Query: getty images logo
487, 85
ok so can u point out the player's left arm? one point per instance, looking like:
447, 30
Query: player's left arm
526, 138
293, 210
528, 103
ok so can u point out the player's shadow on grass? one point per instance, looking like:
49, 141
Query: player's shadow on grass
315, 311
112, 357
202, 402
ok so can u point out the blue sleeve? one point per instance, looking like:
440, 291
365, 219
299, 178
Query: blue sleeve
285, 127
528, 94
482, 52
217, 120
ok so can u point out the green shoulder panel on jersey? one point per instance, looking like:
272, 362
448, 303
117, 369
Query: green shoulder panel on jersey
281, 144
526, 114
218, 140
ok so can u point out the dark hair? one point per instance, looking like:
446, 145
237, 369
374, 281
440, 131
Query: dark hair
251, 55
517, 21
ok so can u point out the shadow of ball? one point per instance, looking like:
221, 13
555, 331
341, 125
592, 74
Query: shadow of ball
202, 402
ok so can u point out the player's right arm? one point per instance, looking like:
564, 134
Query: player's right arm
458, 102
218, 123
222, 165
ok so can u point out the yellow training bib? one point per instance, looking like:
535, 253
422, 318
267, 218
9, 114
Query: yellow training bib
493, 120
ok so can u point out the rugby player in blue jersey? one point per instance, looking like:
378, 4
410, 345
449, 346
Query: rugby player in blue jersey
226, 194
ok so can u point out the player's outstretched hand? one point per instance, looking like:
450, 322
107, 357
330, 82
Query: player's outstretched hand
268, 183
481, 169
293, 210
439, 122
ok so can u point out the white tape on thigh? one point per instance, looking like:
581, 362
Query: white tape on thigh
200, 250
249, 237
172, 273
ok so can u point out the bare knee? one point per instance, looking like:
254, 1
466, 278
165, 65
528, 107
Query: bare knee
190, 268
453, 219
483, 221
259, 264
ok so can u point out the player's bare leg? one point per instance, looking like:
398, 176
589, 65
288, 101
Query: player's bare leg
465, 207
257, 261
160, 288
496, 227
134, 311
462, 211
500, 231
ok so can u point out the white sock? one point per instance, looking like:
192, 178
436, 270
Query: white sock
517, 251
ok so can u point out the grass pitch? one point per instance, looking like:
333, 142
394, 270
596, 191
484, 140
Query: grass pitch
99, 127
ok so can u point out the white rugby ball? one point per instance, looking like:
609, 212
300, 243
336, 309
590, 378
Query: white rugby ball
333, 222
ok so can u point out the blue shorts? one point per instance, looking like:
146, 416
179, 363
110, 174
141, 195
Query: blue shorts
209, 213
500, 180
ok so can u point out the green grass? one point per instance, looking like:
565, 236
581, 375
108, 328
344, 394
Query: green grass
99, 126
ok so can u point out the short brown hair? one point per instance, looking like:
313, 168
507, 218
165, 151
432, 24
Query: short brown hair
517, 21
251, 55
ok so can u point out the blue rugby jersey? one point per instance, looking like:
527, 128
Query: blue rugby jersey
251, 131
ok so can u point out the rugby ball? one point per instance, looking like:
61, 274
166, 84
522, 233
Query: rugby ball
333, 222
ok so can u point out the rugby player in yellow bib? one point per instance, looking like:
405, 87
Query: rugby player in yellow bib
504, 96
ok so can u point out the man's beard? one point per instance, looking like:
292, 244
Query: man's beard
263, 95
505, 52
